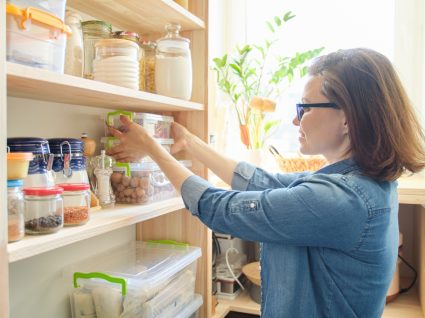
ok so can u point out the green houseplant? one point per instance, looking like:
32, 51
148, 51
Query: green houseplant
246, 79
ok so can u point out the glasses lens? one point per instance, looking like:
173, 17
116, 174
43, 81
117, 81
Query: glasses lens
300, 112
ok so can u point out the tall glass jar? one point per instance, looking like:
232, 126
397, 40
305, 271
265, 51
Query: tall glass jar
74, 52
93, 31
15, 208
43, 210
173, 67
76, 203
147, 66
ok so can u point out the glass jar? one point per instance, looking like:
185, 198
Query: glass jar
93, 31
173, 66
69, 163
126, 35
103, 171
15, 209
43, 210
117, 63
74, 52
76, 203
147, 66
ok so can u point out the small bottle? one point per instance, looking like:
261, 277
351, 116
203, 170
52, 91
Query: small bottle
103, 172
15, 207
74, 53
89, 145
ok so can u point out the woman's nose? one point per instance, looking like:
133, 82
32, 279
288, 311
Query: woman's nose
295, 121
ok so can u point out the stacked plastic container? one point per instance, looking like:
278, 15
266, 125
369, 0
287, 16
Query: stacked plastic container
36, 33
142, 181
141, 279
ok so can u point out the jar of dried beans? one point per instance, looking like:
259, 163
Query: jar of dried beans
43, 210
76, 203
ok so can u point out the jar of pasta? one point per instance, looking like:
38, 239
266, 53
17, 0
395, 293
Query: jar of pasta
147, 66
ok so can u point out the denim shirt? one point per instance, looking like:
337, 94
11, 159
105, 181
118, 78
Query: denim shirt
329, 238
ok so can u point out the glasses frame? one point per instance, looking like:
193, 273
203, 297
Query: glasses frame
300, 107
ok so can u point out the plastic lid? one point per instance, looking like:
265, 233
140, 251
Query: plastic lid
20, 156
74, 186
14, 183
43, 191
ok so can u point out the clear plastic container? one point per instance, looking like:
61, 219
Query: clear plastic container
117, 62
127, 280
15, 208
38, 41
17, 164
157, 125
173, 66
76, 203
43, 210
109, 142
93, 31
147, 66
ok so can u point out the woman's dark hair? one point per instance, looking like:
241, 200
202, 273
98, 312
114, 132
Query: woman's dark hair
386, 137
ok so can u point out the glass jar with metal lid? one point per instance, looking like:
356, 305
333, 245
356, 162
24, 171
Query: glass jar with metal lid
147, 66
15, 209
126, 35
43, 210
93, 31
117, 62
76, 203
173, 65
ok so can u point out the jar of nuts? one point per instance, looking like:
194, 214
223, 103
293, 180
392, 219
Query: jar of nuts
43, 210
15, 209
76, 203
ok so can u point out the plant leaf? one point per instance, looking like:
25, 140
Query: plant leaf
270, 26
277, 21
288, 16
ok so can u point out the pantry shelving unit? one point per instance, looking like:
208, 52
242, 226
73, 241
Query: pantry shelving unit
160, 220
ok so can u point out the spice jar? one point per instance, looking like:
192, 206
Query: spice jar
147, 66
43, 210
74, 52
15, 208
173, 66
117, 63
93, 31
76, 203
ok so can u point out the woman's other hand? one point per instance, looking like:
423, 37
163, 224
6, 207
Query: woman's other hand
181, 136
135, 142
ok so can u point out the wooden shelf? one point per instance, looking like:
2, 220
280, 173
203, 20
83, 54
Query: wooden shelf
100, 222
411, 190
34, 83
141, 16
406, 305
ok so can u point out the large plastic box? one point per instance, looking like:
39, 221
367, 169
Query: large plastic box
36, 36
140, 183
139, 279
157, 125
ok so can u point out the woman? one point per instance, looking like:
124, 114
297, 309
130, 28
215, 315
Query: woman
329, 238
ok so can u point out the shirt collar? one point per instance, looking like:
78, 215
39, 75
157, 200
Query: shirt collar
341, 167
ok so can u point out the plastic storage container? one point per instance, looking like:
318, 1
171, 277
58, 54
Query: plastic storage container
157, 125
135, 280
43, 210
15, 208
39, 170
109, 142
69, 164
76, 203
93, 31
17, 164
173, 65
36, 34
117, 62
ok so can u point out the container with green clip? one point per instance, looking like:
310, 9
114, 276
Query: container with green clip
139, 279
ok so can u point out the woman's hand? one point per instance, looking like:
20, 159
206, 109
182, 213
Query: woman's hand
135, 142
181, 136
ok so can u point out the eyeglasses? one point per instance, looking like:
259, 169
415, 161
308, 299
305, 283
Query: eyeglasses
300, 108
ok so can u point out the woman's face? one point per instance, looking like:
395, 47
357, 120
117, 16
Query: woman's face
322, 130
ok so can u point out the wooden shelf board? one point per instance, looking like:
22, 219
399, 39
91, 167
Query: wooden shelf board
411, 190
141, 16
406, 305
34, 83
100, 222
